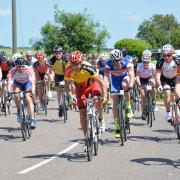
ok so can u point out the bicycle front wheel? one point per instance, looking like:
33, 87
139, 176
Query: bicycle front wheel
89, 137
177, 121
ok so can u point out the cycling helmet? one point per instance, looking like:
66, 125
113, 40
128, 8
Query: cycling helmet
40, 56
76, 57
57, 49
104, 56
28, 53
20, 61
16, 56
167, 49
147, 53
135, 58
146, 58
3, 57
116, 54
124, 51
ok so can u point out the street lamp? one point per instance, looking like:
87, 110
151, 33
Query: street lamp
14, 27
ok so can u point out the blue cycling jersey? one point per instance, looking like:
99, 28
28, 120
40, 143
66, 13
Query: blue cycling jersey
127, 58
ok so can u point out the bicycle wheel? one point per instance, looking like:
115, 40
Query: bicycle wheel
122, 120
64, 108
89, 137
5, 102
96, 135
23, 122
150, 109
177, 121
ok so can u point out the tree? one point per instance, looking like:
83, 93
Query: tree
157, 30
73, 31
175, 38
133, 46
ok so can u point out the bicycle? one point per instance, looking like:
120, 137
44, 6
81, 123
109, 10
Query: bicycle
175, 122
149, 108
92, 134
122, 119
5, 101
63, 105
44, 95
135, 98
23, 116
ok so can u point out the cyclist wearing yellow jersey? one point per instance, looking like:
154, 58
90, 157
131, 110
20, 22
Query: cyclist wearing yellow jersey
87, 81
59, 67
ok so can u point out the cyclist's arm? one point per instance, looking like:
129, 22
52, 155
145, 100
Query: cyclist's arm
138, 79
102, 84
131, 75
67, 87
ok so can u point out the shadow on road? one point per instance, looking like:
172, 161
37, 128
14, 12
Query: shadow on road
10, 137
50, 120
150, 138
164, 131
157, 161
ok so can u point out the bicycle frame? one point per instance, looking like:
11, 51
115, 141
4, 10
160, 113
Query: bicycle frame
92, 135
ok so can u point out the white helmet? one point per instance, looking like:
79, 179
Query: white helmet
104, 56
16, 56
29, 53
167, 49
116, 54
147, 53
146, 58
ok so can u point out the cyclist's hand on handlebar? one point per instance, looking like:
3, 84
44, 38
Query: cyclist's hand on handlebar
105, 100
160, 89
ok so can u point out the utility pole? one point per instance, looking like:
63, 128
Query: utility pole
14, 27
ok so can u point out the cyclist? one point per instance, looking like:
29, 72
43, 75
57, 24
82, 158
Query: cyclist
22, 78
145, 74
30, 59
121, 77
93, 60
42, 74
5, 65
59, 66
86, 80
167, 76
125, 57
135, 63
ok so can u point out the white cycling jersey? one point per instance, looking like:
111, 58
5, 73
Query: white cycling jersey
26, 75
145, 73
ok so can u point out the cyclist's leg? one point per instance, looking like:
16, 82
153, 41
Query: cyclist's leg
154, 91
125, 86
58, 78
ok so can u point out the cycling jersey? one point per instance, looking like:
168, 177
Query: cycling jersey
145, 73
26, 75
83, 77
101, 67
59, 65
127, 59
117, 74
169, 70
5, 66
40, 70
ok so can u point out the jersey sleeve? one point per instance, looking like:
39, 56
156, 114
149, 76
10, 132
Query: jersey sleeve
67, 73
159, 65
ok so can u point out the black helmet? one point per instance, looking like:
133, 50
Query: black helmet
124, 51
57, 49
20, 61
3, 57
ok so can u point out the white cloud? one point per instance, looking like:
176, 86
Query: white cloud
5, 12
130, 16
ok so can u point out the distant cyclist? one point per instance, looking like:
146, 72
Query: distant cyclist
168, 76
145, 75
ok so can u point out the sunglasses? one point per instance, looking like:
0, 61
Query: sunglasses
145, 62
167, 55
58, 53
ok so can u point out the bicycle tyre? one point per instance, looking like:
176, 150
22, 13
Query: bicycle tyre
177, 121
121, 120
5, 102
89, 138
64, 108
23, 122
96, 134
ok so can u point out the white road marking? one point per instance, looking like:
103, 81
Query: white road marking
49, 159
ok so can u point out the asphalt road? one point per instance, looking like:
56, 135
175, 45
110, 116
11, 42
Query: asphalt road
55, 150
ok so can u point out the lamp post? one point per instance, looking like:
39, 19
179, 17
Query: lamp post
14, 27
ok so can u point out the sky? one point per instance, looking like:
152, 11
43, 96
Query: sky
120, 17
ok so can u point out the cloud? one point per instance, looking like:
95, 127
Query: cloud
130, 16
5, 12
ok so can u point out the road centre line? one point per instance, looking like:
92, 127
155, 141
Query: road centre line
49, 159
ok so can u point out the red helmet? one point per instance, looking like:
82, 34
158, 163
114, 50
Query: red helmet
40, 56
76, 57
